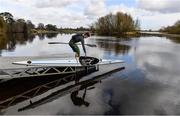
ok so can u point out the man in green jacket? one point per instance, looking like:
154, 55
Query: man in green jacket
78, 38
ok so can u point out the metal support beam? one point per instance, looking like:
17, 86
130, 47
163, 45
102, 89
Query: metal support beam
38, 71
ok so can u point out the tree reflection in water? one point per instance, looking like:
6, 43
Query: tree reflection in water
113, 45
9, 41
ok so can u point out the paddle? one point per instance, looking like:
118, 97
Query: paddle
90, 45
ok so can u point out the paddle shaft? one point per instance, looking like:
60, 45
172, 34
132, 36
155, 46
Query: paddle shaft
90, 45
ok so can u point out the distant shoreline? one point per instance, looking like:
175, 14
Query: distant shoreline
159, 34
42, 31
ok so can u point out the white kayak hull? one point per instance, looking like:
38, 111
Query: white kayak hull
61, 62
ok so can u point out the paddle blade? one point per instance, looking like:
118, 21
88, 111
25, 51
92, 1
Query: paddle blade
57, 43
91, 45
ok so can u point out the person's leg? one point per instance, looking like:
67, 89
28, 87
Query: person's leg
75, 48
77, 53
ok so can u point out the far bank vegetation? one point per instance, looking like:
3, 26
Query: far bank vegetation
174, 29
8, 24
118, 24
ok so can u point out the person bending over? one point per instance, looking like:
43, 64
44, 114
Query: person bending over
78, 38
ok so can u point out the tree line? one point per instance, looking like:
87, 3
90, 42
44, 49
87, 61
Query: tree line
10, 25
118, 24
111, 24
174, 29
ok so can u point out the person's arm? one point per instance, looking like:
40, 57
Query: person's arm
82, 42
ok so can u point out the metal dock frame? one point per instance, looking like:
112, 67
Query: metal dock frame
41, 71
72, 73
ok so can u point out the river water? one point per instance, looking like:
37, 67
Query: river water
150, 83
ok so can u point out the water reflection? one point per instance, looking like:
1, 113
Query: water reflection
35, 45
79, 101
42, 36
36, 86
113, 46
174, 39
3, 42
10, 41
148, 85
151, 84
51, 35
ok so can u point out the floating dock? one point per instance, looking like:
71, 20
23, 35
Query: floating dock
12, 71
41, 79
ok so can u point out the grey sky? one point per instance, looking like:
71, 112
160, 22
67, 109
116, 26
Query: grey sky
153, 14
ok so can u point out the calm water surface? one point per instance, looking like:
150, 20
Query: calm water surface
150, 83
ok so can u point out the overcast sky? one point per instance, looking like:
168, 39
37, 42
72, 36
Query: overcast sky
153, 14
